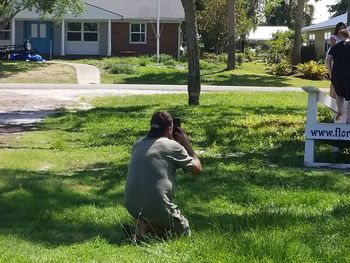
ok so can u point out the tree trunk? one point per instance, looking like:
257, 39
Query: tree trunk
299, 23
194, 85
231, 48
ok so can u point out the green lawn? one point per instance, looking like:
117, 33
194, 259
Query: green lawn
249, 74
62, 186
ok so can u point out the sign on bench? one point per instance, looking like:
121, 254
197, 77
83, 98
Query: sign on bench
322, 131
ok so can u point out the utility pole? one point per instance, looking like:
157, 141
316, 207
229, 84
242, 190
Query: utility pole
158, 30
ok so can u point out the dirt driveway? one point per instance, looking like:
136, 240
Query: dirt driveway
22, 110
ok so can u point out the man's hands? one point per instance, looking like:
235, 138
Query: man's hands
181, 137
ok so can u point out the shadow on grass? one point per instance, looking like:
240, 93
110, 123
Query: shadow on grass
59, 209
62, 209
216, 78
170, 78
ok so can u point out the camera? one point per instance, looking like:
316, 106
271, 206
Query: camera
176, 125
176, 122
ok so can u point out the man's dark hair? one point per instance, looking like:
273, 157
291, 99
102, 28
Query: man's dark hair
160, 121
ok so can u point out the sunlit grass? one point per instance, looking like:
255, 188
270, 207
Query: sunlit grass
249, 74
62, 186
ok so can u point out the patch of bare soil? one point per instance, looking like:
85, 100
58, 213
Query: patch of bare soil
22, 112
47, 73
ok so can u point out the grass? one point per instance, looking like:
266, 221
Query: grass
34, 72
62, 186
144, 70
213, 73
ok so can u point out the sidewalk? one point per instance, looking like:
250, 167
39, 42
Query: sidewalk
86, 74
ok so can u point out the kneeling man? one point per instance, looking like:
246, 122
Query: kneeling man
150, 184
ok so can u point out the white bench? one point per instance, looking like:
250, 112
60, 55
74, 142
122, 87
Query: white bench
322, 131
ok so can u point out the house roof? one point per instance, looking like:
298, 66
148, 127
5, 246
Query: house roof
170, 10
142, 9
91, 12
265, 32
330, 23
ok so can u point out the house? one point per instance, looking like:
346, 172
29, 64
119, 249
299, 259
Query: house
264, 33
317, 35
106, 28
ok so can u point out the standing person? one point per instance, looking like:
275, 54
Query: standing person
335, 39
338, 65
150, 184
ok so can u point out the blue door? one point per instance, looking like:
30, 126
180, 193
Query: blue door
40, 35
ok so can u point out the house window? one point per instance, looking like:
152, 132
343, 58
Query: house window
78, 32
138, 33
74, 31
42, 30
5, 34
327, 36
312, 39
90, 32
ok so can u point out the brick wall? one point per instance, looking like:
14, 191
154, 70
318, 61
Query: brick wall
168, 40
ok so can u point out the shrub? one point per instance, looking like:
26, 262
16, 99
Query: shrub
283, 68
215, 58
239, 59
249, 54
312, 70
143, 61
165, 59
121, 68
280, 47
203, 64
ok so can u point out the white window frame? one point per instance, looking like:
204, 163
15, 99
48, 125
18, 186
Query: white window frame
82, 32
7, 30
312, 40
95, 32
145, 33
327, 36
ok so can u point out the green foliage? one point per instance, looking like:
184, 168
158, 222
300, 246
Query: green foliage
280, 13
249, 54
280, 47
312, 70
120, 68
239, 59
144, 61
338, 8
283, 68
212, 23
164, 59
56, 8
214, 58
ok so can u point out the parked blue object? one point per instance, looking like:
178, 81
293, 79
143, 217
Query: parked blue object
26, 57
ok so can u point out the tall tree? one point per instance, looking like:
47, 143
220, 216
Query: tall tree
282, 13
299, 23
213, 22
339, 8
194, 84
231, 49
56, 8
